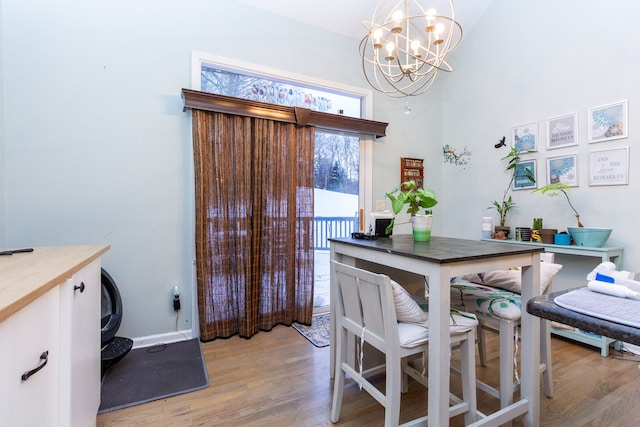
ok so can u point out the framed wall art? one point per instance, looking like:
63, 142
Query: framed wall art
563, 169
608, 122
525, 176
562, 131
609, 167
525, 137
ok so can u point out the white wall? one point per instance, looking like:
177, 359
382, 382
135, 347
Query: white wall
530, 61
3, 213
418, 134
98, 148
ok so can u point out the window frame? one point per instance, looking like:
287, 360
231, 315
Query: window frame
199, 58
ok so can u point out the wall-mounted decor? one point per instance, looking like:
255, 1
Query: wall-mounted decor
456, 157
525, 137
526, 176
562, 131
609, 167
563, 169
412, 170
608, 122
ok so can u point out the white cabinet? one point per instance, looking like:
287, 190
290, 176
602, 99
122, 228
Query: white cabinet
24, 337
80, 347
50, 311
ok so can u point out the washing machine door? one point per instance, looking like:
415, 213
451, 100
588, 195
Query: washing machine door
111, 308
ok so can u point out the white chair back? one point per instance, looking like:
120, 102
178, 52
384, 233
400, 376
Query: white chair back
364, 305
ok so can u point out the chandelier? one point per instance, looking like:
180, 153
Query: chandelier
407, 44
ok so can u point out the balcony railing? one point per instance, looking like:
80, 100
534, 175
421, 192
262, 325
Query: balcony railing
326, 227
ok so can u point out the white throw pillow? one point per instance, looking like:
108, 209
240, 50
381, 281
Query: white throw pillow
407, 310
511, 279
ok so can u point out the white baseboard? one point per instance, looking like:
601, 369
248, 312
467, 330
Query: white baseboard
167, 338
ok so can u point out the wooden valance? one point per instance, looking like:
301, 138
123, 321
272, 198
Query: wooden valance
301, 116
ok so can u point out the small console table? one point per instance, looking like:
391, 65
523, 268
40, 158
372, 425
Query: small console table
605, 253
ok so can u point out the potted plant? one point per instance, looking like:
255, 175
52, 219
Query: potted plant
581, 235
415, 199
506, 204
535, 230
555, 189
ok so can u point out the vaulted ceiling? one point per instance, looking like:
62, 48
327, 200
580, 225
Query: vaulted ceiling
346, 16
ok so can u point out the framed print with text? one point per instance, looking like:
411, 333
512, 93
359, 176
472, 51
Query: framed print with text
562, 131
609, 167
563, 169
525, 137
525, 175
608, 122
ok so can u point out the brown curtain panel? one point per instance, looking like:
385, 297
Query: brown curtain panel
254, 223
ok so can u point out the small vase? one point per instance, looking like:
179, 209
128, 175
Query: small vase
421, 227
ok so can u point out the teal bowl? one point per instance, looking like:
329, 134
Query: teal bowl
589, 236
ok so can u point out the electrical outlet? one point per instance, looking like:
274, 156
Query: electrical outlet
379, 205
176, 298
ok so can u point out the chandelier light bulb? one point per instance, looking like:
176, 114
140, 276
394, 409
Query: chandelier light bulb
377, 34
390, 46
436, 34
415, 45
397, 16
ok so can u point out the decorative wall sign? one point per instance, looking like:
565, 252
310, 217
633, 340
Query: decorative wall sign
562, 131
609, 167
525, 137
608, 122
563, 169
524, 170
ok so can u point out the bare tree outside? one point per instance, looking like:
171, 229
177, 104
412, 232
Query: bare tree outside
336, 163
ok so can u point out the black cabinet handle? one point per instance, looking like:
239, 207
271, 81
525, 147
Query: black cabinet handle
44, 358
81, 287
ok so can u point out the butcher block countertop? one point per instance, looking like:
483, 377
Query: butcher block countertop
26, 276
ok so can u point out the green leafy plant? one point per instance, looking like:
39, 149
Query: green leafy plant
506, 204
555, 189
408, 194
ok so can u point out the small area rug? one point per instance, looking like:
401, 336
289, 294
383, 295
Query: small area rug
318, 332
152, 373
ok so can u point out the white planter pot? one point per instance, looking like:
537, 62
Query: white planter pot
421, 227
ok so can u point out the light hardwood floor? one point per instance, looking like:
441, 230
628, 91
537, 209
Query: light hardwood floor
278, 378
